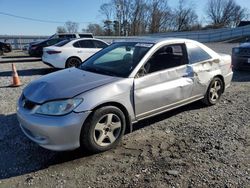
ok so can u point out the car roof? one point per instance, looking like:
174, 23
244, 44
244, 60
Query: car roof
77, 39
245, 45
150, 39
73, 33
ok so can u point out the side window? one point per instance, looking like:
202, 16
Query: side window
67, 36
85, 36
86, 44
53, 41
166, 57
99, 44
76, 44
196, 54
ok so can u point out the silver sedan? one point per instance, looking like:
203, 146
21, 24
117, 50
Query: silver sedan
93, 105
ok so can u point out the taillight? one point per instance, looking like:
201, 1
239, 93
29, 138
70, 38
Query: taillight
53, 52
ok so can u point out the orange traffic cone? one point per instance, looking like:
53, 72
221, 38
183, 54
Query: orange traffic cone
16, 80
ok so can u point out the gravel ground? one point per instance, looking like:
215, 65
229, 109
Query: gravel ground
193, 146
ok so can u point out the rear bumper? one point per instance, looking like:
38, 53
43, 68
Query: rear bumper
56, 62
227, 79
46, 63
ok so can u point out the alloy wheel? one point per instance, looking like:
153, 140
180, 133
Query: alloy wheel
107, 130
215, 91
73, 62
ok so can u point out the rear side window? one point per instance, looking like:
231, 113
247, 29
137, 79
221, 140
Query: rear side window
76, 44
85, 36
196, 54
99, 44
67, 36
86, 44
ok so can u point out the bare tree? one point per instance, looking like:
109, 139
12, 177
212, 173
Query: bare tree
159, 13
139, 17
108, 29
239, 15
184, 17
107, 9
96, 29
224, 13
123, 11
116, 26
135, 17
61, 29
71, 27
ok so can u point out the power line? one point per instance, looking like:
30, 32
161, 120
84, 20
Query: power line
34, 19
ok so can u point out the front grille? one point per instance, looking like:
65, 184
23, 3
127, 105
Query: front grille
244, 52
27, 104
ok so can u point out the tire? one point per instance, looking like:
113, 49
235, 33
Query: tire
103, 130
214, 92
73, 62
1, 52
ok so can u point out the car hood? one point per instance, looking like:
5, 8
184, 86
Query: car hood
64, 84
245, 45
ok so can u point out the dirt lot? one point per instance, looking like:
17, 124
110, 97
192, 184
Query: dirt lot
193, 146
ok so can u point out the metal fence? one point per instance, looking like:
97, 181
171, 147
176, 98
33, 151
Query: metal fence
213, 35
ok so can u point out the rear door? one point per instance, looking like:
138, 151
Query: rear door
201, 63
163, 82
85, 48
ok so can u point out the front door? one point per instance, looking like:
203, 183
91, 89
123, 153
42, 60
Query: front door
163, 82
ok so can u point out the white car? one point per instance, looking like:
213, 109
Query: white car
70, 53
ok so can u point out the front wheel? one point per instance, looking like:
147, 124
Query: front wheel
103, 130
214, 92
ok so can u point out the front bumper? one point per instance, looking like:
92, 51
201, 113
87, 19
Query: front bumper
57, 133
240, 62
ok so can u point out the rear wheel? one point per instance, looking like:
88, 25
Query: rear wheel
103, 130
73, 62
214, 92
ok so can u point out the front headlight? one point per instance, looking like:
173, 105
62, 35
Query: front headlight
60, 107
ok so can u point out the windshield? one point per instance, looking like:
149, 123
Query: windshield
119, 59
52, 36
